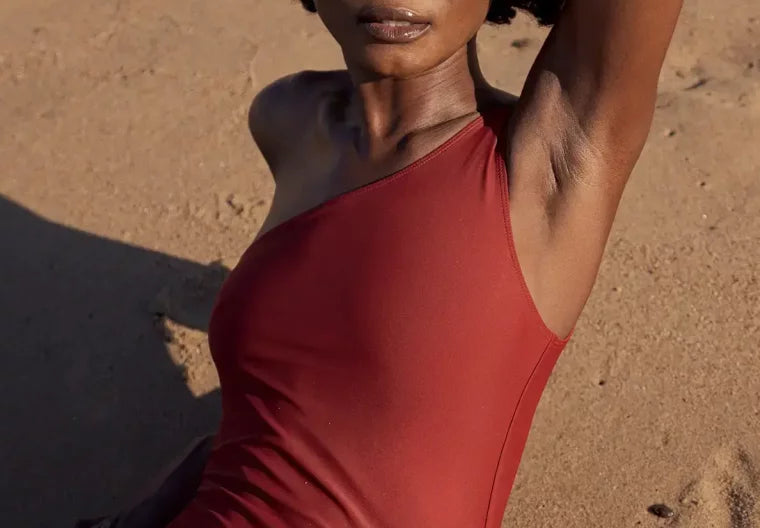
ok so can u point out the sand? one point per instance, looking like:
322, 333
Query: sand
128, 185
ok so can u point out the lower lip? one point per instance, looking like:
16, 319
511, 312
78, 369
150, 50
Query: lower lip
395, 34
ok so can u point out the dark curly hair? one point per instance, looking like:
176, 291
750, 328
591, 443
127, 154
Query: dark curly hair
503, 11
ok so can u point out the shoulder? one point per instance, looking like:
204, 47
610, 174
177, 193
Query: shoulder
300, 88
290, 105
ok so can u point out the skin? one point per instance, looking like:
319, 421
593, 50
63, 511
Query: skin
575, 134
574, 137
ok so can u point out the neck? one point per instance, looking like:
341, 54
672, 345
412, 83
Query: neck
386, 111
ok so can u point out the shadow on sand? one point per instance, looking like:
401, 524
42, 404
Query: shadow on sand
92, 405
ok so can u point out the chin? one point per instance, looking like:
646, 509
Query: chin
382, 60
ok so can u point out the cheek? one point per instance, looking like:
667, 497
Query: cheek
457, 22
337, 17
465, 17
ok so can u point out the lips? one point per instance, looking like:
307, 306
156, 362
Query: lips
393, 25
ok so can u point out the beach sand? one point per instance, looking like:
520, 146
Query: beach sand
129, 185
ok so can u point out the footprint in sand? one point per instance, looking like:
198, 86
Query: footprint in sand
726, 494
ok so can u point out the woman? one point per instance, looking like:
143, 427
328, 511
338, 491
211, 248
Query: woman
383, 344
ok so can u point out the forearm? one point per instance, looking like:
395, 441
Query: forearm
609, 42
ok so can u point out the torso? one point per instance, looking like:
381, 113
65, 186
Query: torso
379, 354
383, 344
310, 136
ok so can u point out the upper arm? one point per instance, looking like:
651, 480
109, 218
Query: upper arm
593, 87
578, 130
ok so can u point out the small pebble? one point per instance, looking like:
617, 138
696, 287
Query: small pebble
235, 204
669, 132
660, 510
521, 43
698, 84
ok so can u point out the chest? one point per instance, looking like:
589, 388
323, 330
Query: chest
324, 165
423, 252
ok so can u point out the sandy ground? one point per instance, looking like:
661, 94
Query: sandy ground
128, 184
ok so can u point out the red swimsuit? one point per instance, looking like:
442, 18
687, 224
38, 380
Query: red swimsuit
380, 357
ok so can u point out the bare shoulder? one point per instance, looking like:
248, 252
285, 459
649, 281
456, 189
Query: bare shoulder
288, 108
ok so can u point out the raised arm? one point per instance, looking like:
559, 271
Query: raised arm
579, 128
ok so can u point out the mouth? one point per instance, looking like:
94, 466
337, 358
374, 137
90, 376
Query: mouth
393, 25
